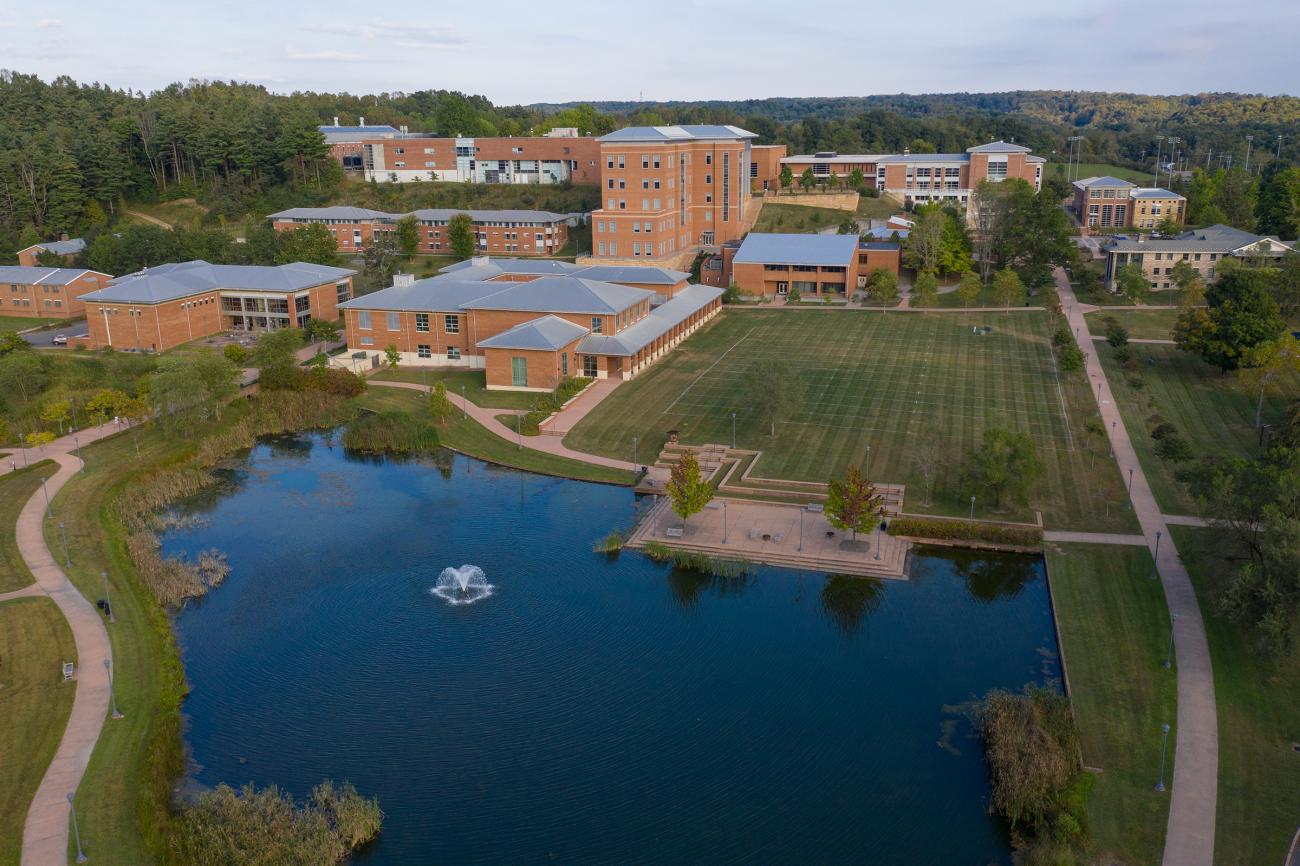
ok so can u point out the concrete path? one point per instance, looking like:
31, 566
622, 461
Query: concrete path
1150, 341
45, 831
1186, 520
1095, 538
1189, 836
568, 417
149, 219
487, 417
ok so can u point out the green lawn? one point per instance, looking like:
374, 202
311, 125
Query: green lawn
1259, 704
1114, 630
20, 323
15, 489
879, 207
1044, 297
900, 384
1141, 324
469, 437
1101, 169
1209, 410
473, 381
181, 213
35, 702
798, 218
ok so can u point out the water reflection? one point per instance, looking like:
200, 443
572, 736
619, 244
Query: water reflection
687, 585
990, 577
848, 599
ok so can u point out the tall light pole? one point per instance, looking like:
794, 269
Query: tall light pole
81, 855
1159, 143
633, 453
971, 521
112, 693
724, 521
733, 430
1164, 741
464, 405
1076, 159
519, 428
1155, 558
1249, 139
67, 558
108, 600
48, 512
880, 519
802, 509
1130, 482
1169, 653
76, 445
1279, 147
1173, 141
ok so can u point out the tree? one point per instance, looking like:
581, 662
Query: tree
235, 354
440, 406
1017, 227
786, 176
392, 356
857, 180
969, 288
312, 243
1190, 283
852, 503
1008, 289
106, 402
1277, 211
1005, 464
188, 389
22, 372
10, 341
1131, 282
776, 391
460, 233
883, 285
380, 259
688, 492
275, 355
923, 247
1241, 315
322, 331
1267, 365
408, 235
807, 180
1070, 357
925, 291
1285, 287
1031, 746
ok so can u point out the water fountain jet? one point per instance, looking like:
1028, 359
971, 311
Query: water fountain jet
464, 585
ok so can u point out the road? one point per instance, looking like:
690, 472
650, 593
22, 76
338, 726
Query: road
43, 339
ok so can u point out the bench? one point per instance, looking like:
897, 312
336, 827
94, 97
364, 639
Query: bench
68, 669
816, 506
674, 532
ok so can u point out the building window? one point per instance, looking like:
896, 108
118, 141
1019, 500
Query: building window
422, 322
589, 368
597, 324
363, 320
564, 364
453, 353
519, 372
394, 321
367, 341
424, 351
997, 170
451, 324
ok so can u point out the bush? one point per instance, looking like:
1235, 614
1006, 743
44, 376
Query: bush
793, 296
1163, 429
570, 388
344, 383
1136, 382
957, 530
1173, 448
731, 294
398, 432
1124, 356
1062, 336
611, 543
1116, 334
1071, 358
235, 353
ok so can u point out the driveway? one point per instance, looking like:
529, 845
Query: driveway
44, 339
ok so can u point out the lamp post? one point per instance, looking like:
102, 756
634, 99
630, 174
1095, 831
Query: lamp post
1164, 741
76, 446
81, 855
464, 406
634, 454
1130, 482
1249, 139
1155, 559
519, 428
108, 667
879, 521
866, 466
971, 521
48, 512
67, 559
733, 430
1169, 653
802, 509
724, 521
107, 599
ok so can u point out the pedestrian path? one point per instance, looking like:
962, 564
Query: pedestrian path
1094, 537
45, 831
591, 397
1189, 834
1099, 338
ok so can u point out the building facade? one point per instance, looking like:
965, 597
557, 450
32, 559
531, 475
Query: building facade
529, 323
50, 293
774, 265
1103, 203
502, 232
1204, 249
66, 248
765, 166
668, 189
921, 178
163, 307
547, 159
345, 142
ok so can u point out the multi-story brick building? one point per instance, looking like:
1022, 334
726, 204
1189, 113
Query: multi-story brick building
41, 292
512, 232
552, 158
345, 142
1108, 202
668, 189
66, 248
162, 307
920, 178
812, 265
1203, 249
765, 165
529, 324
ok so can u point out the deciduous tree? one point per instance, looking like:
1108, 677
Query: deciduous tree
1008, 289
1005, 464
460, 234
688, 492
852, 503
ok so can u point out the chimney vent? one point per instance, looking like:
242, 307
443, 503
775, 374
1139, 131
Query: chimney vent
361, 121
336, 120
403, 280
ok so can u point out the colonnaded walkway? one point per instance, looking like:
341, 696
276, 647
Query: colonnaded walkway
45, 831
1189, 835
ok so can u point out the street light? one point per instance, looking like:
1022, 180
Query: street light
733, 430
519, 427
1169, 653
1249, 139
108, 667
724, 521
802, 509
81, 855
1130, 482
76, 446
1155, 563
880, 521
971, 521
107, 599
1164, 741
67, 559
464, 406
48, 512
633, 453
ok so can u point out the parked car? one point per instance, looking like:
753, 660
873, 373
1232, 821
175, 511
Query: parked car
60, 340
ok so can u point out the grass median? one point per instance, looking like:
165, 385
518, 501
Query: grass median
16, 489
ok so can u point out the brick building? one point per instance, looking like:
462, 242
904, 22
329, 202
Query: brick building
51, 293
512, 232
668, 189
919, 178
67, 248
1109, 202
552, 158
1204, 249
162, 307
529, 324
765, 165
813, 265
345, 142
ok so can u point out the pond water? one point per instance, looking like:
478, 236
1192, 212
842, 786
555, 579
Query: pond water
588, 709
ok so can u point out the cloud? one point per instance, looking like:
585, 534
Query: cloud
324, 55
402, 34
48, 24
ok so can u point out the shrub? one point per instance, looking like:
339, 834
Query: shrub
1062, 336
235, 353
1136, 382
344, 383
400, 432
1071, 358
956, 530
1116, 334
611, 543
1163, 430
731, 294
793, 296
1173, 448
570, 388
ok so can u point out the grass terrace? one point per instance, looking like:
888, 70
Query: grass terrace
22, 323
799, 218
1141, 324
907, 388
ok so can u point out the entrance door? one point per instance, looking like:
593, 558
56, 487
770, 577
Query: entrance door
519, 372
589, 366
783, 288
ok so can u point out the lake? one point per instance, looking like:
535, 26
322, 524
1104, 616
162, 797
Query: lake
591, 709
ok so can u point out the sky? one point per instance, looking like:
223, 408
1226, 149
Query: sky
521, 52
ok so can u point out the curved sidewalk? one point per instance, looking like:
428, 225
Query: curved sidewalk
1189, 835
45, 830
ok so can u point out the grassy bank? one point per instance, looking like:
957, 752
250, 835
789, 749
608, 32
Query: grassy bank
1258, 700
34, 703
474, 383
798, 218
15, 489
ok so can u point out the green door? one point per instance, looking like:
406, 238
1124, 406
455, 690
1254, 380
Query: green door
519, 372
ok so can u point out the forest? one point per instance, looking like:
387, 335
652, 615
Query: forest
73, 154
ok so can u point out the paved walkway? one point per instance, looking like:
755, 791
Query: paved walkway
487, 417
589, 399
1098, 338
45, 832
1095, 537
1189, 836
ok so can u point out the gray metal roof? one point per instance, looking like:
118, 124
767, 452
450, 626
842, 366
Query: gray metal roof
560, 295
1152, 192
1212, 239
926, 157
495, 267
795, 249
998, 146
343, 212
70, 247
182, 279
434, 295
684, 132
548, 332
37, 275
337, 212
661, 320
1104, 180
632, 274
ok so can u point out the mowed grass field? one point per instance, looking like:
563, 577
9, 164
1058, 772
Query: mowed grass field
1211, 411
905, 389
1141, 324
